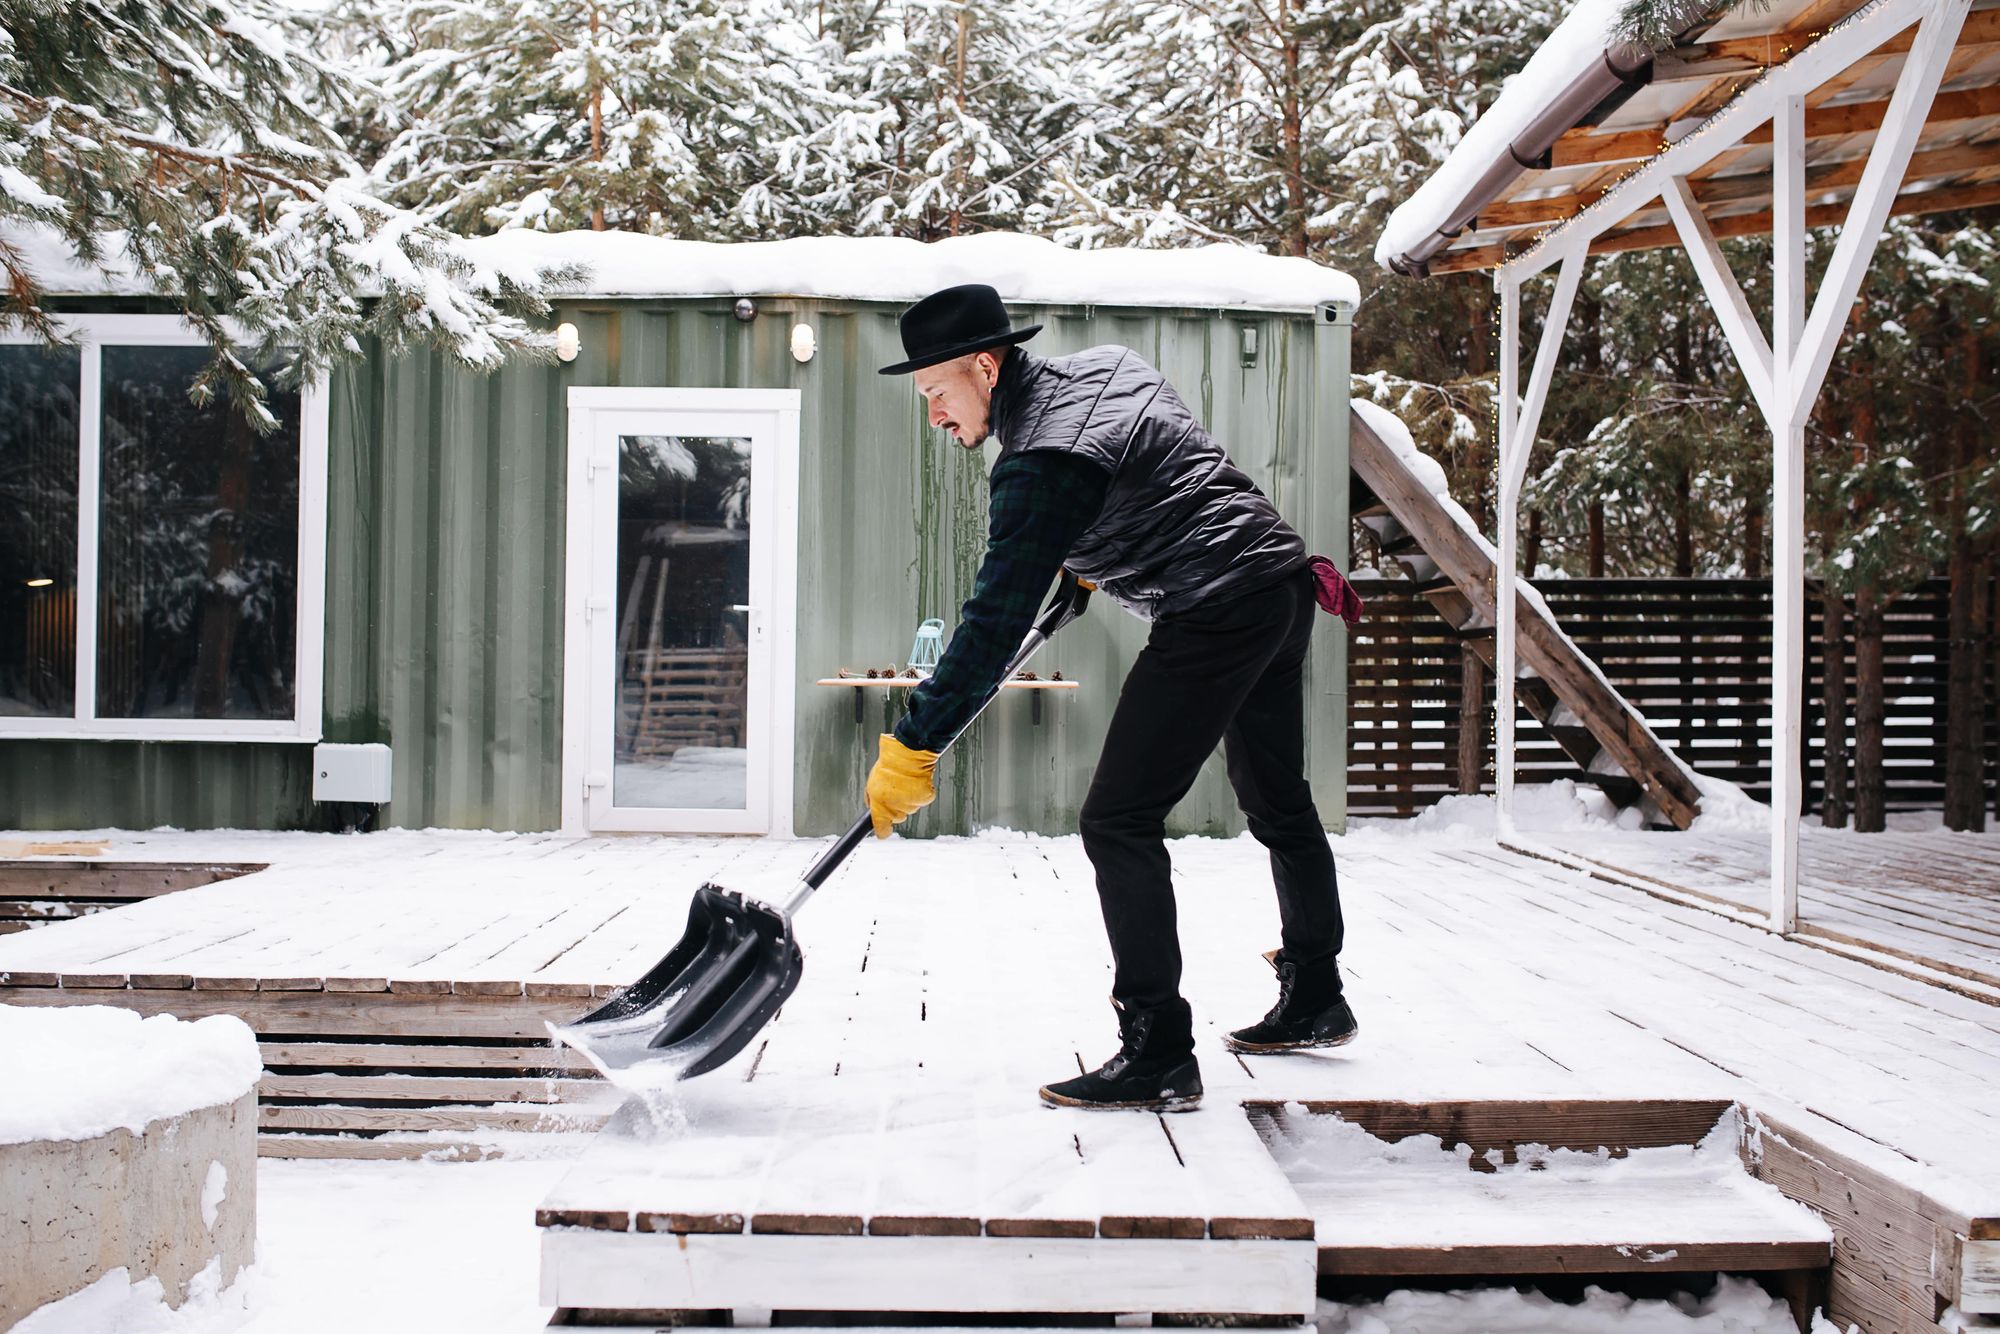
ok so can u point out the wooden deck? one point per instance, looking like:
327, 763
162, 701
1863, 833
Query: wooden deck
891, 1105
1927, 901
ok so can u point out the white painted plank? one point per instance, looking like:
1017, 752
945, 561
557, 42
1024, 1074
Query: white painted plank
588, 1269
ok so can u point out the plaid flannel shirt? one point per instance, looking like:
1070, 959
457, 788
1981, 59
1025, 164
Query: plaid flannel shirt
1039, 504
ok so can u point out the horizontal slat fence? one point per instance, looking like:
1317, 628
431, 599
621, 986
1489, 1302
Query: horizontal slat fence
1694, 655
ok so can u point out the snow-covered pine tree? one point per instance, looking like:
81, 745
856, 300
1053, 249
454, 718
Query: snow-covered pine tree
984, 105
188, 141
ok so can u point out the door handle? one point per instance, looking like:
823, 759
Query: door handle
739, 606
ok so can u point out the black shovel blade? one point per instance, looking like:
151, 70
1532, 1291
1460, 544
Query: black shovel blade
736, 963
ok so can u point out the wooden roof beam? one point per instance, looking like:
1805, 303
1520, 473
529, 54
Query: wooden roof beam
1748, 224
1947, 200
1730, 53
1512, 213
1578, 149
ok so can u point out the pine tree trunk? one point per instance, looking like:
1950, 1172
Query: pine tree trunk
1993, 685
222, 610
1965, 702
1596, 521
1965, 712
1753, 540
1684, 524
1294, 137
1532, 555
955, 220
596, 129
1833, 706
1869, 780
1471, 721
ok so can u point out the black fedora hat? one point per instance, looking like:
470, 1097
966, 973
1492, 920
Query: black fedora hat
956, 323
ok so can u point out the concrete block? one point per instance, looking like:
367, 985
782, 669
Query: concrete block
162, 1204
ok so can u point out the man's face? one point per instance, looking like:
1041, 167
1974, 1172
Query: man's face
959, 395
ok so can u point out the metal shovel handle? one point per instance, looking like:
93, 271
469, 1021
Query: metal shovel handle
1072, 595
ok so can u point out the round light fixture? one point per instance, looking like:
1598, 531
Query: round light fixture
804, 342
568, 342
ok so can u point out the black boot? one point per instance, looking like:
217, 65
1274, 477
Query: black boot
1310, 1011
1154, 1070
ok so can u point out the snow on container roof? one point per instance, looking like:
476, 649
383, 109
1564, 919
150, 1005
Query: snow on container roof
883, 268
868, 268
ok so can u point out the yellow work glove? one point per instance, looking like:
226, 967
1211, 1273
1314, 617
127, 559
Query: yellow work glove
901, 783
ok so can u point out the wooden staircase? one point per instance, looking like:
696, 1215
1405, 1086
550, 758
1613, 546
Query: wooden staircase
1456, 570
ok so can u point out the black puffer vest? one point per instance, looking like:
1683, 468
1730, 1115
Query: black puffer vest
1180, 522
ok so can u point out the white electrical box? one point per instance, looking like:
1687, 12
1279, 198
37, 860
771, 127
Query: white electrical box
351, 773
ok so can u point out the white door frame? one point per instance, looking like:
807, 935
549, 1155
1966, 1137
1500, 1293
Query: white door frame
773, 568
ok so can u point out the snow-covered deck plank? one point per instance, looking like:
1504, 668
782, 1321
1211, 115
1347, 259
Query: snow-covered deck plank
1932, 898
1476, 973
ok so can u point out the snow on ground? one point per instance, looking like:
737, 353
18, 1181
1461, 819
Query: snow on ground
1560, 807
343, 1246
692, 778
96, 1068
1737, 1306
451, 1248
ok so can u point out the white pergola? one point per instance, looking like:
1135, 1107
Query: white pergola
1862, 162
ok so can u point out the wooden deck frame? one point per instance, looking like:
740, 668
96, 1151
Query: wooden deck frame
1932, 1252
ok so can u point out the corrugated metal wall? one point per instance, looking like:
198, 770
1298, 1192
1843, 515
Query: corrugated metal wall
444, 598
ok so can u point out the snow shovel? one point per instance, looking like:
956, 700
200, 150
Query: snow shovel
738, 960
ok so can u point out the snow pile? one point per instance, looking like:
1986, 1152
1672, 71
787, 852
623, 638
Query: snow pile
1727, 808
1317, 1148
1737, 1306
1560, 807
76, 1072
1578, 42
1397, 437
114, 1304
886, 268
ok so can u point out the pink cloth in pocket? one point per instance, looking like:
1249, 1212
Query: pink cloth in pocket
1333, 591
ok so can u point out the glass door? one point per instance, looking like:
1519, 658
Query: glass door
677, 619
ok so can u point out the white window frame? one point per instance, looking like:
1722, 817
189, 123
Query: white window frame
94, 333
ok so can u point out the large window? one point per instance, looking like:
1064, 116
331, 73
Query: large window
161, 564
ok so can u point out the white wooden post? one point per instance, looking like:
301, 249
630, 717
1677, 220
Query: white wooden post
1503, 597
1517, 442
1788, 444
1732, 309
1889, 157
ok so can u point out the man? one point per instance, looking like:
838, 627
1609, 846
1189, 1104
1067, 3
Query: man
1103, 470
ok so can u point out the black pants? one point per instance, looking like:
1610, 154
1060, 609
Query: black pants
1230, 670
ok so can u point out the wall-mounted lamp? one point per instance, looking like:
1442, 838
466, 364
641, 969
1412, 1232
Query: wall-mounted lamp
39, 583
1247, 336
746, 309
568, 344
804, 343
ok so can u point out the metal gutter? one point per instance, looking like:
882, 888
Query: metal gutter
1617, 70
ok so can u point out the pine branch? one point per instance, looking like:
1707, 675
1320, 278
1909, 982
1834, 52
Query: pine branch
1658, 24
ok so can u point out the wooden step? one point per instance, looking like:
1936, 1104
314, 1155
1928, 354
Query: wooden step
1523, 1189
955, 1202
1423, 571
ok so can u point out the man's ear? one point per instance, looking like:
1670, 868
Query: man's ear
989, 367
